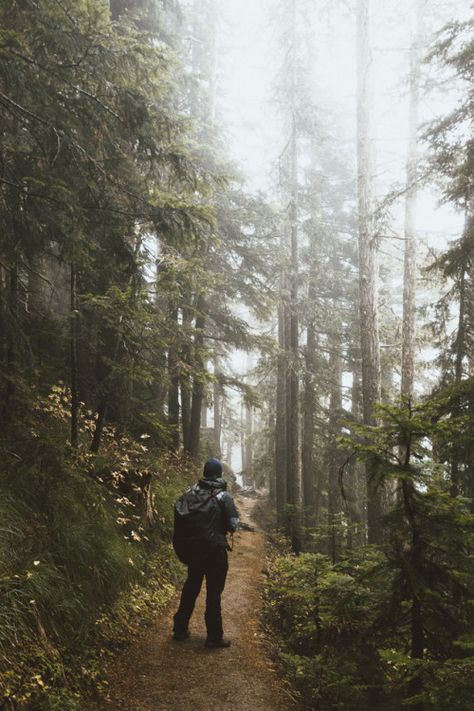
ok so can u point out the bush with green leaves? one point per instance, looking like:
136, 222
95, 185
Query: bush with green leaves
325, 619
392, 626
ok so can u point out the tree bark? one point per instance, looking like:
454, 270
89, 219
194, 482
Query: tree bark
370, 350
293, 462
11, 340
217, 409
461, 347
280, 418
185, 382
416, 555
113, 339
248, 468
309, 404
204, 410
74, 364
198, 382
333, 459
271, 452
99, 425
409, 267
242, 440
173, 383
355, 480
459, 355
3, 321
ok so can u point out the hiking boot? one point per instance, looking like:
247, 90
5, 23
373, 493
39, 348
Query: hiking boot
181, 636
217, 644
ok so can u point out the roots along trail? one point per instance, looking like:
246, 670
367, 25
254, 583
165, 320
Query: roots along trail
158, 674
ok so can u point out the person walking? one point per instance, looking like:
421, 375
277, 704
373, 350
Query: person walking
203, 516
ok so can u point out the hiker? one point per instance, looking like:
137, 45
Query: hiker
203, 516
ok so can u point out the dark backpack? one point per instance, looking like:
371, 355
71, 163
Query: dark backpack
198, 525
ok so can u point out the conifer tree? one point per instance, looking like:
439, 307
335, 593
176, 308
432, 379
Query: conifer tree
370, 348
409, 278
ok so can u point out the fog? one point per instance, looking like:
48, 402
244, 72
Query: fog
239, 230
250, 62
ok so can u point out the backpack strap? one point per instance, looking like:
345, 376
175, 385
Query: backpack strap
214, 495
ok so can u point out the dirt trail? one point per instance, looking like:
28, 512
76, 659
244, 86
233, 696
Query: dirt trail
157, 674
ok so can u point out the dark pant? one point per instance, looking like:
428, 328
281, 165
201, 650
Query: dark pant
214, 568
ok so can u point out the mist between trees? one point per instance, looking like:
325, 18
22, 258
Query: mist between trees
280, 275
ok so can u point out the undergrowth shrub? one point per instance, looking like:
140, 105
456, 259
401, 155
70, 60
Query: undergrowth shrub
323, 619
393, 628
77, 561
343, 641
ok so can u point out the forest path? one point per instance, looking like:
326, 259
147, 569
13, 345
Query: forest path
157, 674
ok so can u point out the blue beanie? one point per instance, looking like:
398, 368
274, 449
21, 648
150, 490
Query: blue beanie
212, 469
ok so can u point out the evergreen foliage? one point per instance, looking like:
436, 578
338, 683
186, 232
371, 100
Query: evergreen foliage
133, 266
382, 627
75, 533
390, 626
125, 243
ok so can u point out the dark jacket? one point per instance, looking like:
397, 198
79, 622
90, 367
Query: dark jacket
230, 514
202, 517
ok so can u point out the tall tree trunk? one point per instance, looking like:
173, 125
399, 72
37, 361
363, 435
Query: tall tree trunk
370, 350
309, 405
198, 379
461, 344
113, 341
173, 383
280, 417
108, 345
217, 409
4, 275
293, 425
271, 453
415, 563
229, 452
459, 355
185, 411
204, 61
242, 440
204, 410
73, 360
333, 459
213, 51
99, 425
11, 338
308, 464
248, 468
185, 382
355, 485
409, 267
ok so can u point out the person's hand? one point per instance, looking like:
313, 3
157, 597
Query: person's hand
245, 527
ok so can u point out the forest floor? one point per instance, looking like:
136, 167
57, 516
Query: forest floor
157, 674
